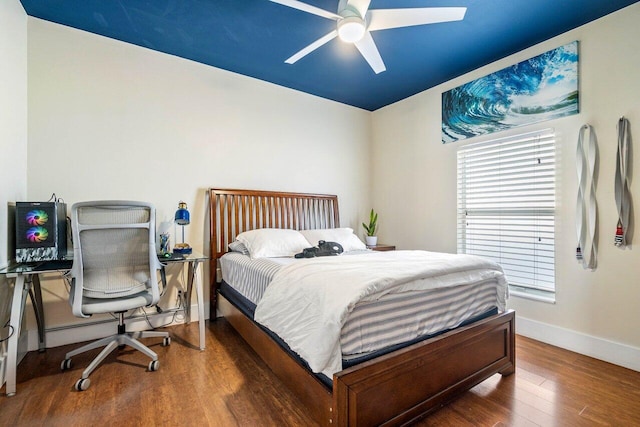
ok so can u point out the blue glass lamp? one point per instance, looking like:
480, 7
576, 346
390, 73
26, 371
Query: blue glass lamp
182, 218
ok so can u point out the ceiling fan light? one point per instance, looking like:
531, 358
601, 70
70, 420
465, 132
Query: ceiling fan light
351, 29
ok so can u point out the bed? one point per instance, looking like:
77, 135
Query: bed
373, 392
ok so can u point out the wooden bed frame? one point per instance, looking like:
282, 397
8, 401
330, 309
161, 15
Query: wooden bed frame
394, 389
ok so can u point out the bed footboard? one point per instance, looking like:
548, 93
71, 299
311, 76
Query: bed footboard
401, 387
397, 388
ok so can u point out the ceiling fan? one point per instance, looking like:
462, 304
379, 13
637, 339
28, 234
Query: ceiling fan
355, 22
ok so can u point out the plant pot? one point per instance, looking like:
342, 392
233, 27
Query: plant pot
371, 240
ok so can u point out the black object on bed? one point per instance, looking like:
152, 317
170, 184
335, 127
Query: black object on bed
323, 249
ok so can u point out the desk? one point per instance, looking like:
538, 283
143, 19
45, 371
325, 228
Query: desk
27, 282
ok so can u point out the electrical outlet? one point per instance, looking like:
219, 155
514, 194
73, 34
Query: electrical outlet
181, 298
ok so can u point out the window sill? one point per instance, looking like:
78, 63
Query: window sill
532, 294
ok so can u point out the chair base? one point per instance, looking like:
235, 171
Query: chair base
110, 343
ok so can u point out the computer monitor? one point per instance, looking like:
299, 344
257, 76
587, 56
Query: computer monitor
40, 231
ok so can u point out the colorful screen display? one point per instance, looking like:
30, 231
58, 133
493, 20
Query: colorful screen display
35, 226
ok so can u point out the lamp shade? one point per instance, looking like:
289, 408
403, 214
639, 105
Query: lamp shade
182, 214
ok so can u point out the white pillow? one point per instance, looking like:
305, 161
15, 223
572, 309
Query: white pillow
344, 236
273, 242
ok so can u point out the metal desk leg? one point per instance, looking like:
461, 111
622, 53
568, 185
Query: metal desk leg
189, 291
163, 277
20, 291
35, 292
192, 277
200, 301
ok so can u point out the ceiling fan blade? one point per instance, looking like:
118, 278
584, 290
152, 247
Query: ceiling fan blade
308, 8
369, 51
382, 19
313, 46
360, 5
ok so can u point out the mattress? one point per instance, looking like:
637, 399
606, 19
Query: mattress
250, 277
374, 325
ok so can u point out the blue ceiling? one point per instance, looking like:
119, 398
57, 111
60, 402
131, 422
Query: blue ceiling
254, 37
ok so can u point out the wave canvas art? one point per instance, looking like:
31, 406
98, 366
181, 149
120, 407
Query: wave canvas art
541, 88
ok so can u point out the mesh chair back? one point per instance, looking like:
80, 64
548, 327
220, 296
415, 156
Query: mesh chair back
114, 248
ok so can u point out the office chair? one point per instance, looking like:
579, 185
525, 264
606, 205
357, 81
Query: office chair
114, 270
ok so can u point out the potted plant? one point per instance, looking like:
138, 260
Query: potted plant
371, 238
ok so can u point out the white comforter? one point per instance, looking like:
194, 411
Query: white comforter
307, 302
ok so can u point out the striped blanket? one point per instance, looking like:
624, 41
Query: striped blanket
308, 302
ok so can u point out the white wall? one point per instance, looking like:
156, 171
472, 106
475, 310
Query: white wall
13, 111
414, 184
116, 120
13, 133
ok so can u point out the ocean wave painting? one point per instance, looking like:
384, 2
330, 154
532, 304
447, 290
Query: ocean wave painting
542, 88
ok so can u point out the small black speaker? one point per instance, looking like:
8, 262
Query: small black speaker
41, 231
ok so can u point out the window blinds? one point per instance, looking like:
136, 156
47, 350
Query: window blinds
506, 206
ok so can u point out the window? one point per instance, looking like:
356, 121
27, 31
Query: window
506, 208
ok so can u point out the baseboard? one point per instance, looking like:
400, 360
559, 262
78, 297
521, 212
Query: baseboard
3, 363
77, 333
609, 351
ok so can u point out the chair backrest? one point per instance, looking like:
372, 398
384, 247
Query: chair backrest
114, 251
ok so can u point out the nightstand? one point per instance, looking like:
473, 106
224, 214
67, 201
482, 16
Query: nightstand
382, 247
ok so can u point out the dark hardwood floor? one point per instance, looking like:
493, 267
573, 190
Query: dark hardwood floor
228, 385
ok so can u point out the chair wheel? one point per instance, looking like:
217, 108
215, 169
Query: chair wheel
82, 384
66, 364
166, 341
154, 365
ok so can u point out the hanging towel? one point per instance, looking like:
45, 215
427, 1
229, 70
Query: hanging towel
586, 205
623, 198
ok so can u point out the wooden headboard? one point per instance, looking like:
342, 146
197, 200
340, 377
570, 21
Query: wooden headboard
234, 211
